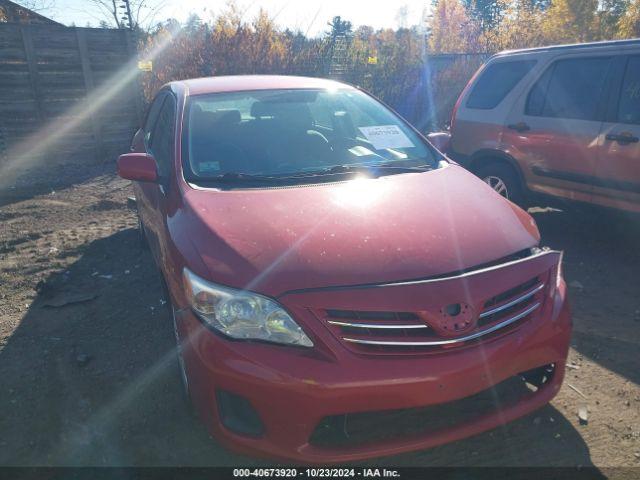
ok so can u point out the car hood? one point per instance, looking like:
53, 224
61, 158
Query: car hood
363, 231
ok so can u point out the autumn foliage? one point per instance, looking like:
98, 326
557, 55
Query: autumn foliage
419, 71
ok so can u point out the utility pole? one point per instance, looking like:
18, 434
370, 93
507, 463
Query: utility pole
127, 8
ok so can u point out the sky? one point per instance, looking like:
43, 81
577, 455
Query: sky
305, 15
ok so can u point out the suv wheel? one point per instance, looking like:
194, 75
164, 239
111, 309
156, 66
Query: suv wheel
503, 179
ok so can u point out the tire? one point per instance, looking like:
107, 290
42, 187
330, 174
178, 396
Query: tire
181, 365
504, 180
142, 238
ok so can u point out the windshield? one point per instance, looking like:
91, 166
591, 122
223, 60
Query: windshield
284, 133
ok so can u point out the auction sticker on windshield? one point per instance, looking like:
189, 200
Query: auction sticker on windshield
386, 136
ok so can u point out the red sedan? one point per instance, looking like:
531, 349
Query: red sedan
339, 289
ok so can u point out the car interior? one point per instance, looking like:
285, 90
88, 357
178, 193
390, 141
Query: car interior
248, 139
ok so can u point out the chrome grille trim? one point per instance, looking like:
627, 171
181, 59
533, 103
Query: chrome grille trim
435, 343
426, 281
526, 296
377, 325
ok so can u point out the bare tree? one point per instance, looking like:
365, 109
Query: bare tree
115, 12
37, 5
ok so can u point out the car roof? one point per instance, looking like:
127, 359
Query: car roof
242, 83
574, 46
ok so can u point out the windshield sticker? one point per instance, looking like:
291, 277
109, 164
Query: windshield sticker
209, 167
386, 136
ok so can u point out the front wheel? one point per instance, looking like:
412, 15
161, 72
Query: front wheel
504, 180
142, 238
179, 351
181, 365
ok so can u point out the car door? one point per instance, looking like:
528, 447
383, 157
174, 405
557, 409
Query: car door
159, 143
553, 129
617, 182
139, 144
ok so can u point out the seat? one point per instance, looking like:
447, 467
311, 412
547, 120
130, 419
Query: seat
214, 144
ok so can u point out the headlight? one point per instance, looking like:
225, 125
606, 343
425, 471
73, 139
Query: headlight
242, 315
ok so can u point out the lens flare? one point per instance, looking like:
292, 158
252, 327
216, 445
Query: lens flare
29, 152
361, 193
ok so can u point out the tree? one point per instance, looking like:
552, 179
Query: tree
487, 12
608, 17
520, 27
114, 12
629, 23
37, 5
193, 23
452, 30
339, 27
402, 16
570, 21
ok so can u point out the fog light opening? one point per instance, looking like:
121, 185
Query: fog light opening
237, 414
538, 377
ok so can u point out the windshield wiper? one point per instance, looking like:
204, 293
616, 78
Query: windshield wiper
240, 177
374, 169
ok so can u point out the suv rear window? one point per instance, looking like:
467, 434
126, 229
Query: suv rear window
496, 82
569, 89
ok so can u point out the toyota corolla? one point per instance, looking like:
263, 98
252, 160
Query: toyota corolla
339, 289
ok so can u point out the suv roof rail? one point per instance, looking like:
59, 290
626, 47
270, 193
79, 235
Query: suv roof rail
574, 46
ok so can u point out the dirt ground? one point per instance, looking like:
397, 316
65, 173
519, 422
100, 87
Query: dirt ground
96, 382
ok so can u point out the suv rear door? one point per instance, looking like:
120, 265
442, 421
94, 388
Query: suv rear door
617, 182
552, 130
479, 115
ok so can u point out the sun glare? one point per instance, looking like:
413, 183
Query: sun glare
32, 150
361, 192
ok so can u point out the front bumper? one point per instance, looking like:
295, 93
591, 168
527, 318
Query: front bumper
293, 389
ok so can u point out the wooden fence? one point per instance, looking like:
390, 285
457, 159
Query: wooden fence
54, 76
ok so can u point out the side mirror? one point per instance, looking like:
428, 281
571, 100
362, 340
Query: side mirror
440, 140
139, 167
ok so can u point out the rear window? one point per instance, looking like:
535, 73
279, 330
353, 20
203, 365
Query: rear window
496, 82
570, 89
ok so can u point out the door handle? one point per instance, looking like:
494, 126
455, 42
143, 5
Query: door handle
622, 138
519, 127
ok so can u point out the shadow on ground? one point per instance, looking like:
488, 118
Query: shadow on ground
43, 181
96, 383
601, 265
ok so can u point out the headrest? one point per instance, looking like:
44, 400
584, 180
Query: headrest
293, 113
228, 117
205, 121
260, 109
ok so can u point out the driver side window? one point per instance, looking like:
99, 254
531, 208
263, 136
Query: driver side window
152, 116
161, 141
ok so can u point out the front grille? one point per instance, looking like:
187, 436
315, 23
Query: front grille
406, 332
354, 429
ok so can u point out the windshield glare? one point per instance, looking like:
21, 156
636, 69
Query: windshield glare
288, 132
